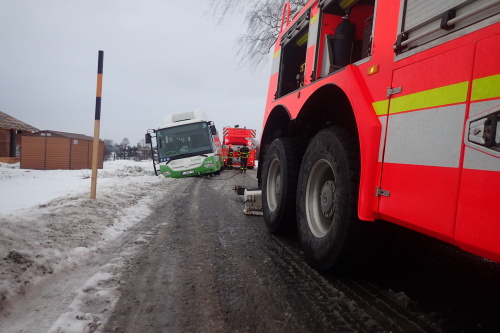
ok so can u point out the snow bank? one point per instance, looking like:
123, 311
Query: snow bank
49, 224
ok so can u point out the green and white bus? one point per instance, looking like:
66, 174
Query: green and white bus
186, 145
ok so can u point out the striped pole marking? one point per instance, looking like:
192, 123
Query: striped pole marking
97, 122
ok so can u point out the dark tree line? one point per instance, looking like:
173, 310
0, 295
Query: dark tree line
124, 151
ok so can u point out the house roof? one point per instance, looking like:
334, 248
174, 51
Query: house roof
9, 122
64, 134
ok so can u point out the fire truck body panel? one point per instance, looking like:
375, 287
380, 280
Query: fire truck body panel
478, 218
419, 114
427, 108
433, 111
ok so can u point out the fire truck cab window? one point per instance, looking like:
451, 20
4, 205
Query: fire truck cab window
345, 34
293, 57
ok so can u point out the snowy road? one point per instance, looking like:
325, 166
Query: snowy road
180, 256
62, 252
210, 268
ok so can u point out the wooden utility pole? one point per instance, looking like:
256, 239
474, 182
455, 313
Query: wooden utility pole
97, 123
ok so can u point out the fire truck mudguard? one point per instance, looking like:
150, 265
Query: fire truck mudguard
280, 173
327, 199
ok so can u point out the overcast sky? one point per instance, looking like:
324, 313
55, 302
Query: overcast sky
160, 57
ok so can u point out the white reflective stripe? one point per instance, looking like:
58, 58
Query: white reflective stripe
313, 32
477, 160
383, 123
479, 107
430, 137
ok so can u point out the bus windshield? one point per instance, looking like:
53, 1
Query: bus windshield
183, 141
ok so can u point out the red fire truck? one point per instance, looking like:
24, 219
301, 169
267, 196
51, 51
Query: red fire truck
384, 110
236, 137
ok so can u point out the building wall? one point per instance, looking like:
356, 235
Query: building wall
57, 153
80, 154
53, 153
33, 153
4, 143
10, 152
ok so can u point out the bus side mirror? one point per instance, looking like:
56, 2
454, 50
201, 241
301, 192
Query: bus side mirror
148, 138
213, 130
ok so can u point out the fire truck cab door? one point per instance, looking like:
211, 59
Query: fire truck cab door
478, 215
423, 149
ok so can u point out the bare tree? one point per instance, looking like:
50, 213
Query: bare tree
141, 143
263, 19
125, 142
108, 148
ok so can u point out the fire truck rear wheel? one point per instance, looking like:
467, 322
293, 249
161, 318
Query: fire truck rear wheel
327, 199
279, 185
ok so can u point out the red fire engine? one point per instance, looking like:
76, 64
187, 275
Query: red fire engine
384, 110
236, 137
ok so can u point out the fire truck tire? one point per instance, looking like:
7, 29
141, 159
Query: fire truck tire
327, 193
279, 185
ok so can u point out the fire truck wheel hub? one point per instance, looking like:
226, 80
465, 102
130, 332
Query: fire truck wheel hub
320, 198
277, 186
327, 198
274, 185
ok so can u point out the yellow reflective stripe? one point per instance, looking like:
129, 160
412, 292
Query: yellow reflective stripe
276, 54
483, 88
346, 3
302, 40
486, 87
314, 19
452, 94
381, 107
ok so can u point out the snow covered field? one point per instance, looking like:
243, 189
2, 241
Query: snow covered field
49, 227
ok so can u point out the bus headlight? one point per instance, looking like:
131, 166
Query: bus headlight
208, 165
